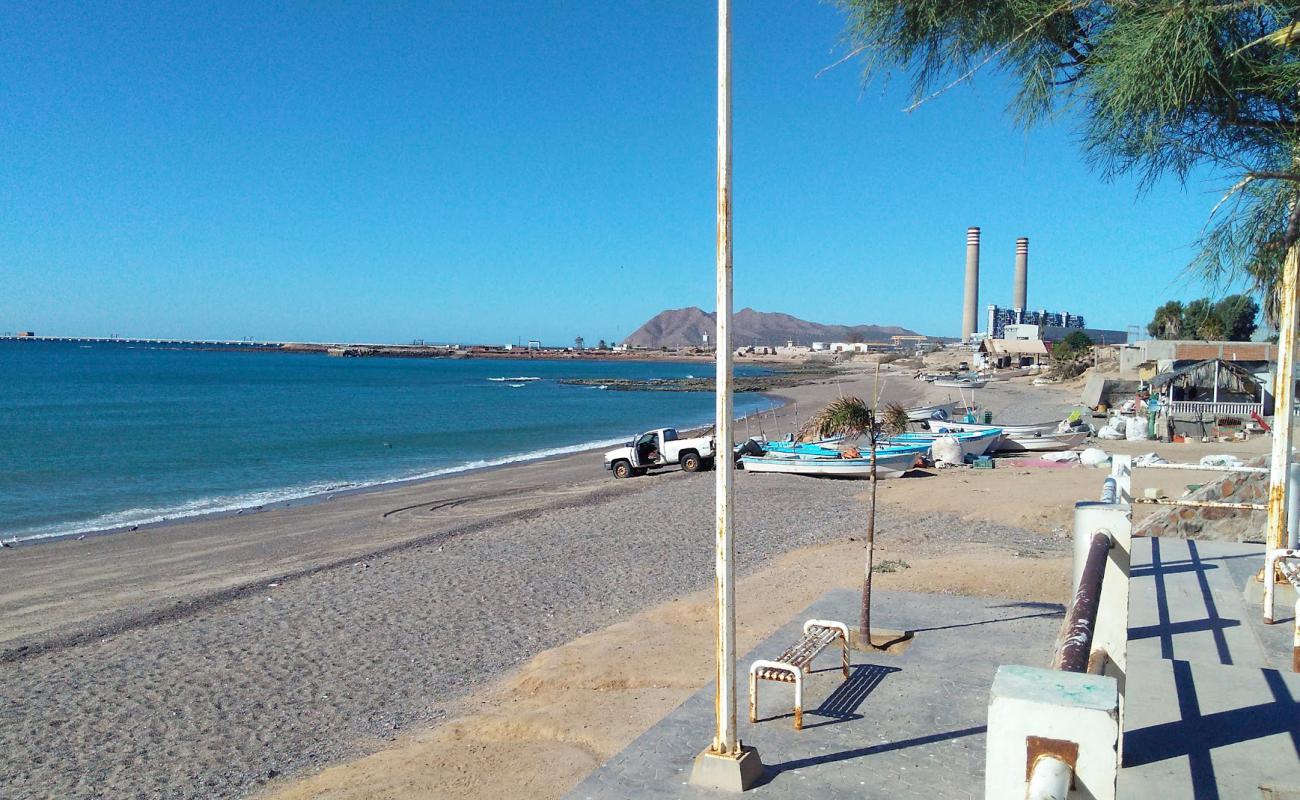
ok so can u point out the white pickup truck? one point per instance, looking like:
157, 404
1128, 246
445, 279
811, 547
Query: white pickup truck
660, 448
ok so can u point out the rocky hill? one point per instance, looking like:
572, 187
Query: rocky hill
685, 327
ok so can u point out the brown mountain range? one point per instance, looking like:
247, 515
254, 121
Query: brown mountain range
685, 327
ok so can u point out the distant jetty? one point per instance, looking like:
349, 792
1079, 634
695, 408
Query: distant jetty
367, 350
206, 343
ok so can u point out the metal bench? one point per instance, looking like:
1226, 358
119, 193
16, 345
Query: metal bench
790, 666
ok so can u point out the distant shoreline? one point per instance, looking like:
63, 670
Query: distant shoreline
379, 350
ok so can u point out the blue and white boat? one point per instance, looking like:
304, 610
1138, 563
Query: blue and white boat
888, 464
821, 450
973, 443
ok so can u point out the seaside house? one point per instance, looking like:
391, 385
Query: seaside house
1001, 353
1212, 391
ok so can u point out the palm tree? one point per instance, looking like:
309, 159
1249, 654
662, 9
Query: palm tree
851, 417
1168, 321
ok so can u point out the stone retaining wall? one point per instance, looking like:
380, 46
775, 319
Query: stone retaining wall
1219, 524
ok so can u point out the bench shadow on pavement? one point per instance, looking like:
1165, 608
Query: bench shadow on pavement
842, 704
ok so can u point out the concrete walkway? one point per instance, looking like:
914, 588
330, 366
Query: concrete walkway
1211, 702
910, 725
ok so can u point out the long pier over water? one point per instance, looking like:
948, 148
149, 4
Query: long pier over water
136, 340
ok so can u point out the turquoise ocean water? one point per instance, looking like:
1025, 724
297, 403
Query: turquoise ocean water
110, 435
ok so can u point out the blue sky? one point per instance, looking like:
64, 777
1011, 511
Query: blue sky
486, 171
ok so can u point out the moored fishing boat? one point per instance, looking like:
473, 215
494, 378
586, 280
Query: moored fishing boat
821, 450
1007, 430
961, 383
973, 443
888, 465
1042, 441
932, 411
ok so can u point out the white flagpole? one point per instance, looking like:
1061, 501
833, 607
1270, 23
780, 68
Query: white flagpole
725, 741
726, 764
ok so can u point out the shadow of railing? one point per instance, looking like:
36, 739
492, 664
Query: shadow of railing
1165, 629
1057, 611
1196, 734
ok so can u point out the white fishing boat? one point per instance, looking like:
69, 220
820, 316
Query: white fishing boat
518, 379
931, 377
1007, 430
892, 465
1008, 374
961, 383
1038, 436
1042, 441
829, 449
973, 443
933, 411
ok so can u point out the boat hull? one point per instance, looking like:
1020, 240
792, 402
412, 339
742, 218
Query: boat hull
887, 466
1039, 428
1051, 441
814, 450
950, 384
924, 413
973, 443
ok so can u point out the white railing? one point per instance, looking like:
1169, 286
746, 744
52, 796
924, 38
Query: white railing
1213, 409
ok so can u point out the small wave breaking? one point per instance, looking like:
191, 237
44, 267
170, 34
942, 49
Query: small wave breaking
235, 504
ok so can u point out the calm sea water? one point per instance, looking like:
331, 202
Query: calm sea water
110, 435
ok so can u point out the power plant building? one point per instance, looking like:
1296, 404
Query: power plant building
1000, 318
1019, 323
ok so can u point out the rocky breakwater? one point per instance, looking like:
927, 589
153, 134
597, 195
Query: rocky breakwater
783, 378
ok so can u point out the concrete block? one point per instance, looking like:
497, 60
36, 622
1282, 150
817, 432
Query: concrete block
727, 773
1062, 706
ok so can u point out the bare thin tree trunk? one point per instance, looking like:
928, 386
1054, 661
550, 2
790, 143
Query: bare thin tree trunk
864, 625
874, 431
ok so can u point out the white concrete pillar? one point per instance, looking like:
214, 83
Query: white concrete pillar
1037, 713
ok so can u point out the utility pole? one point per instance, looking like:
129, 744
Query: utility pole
726, 764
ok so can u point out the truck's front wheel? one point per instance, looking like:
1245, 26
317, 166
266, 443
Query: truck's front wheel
691, 462
622, 469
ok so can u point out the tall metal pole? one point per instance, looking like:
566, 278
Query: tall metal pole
1283, 400
725, 740
726, 764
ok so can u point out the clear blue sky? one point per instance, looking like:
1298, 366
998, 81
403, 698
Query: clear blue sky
483, 171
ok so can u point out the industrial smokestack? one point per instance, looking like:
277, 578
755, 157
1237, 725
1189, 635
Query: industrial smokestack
1022, 273
970, 308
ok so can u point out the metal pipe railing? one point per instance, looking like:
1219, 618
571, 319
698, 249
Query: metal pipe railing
1081, 621
1110, 491
1175, 501
1271, 559
1204, 468
1050, 779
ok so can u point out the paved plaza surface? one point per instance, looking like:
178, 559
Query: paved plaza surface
1211, 700
1211, 704
910, 725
